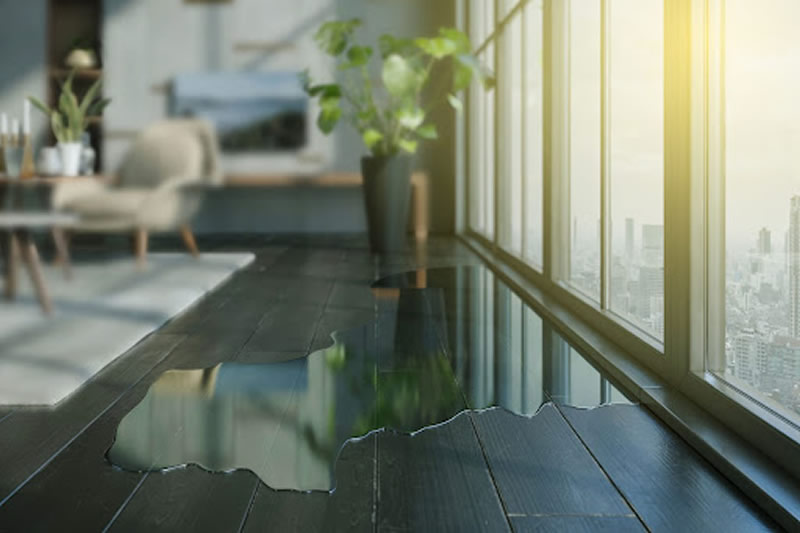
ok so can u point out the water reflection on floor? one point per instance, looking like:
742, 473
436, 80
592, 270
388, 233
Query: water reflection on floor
441, 341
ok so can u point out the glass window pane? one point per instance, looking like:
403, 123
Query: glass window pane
636, 161
510, 139
762, 184
481, 128
488, 158
584, 145
533, 116
477, 170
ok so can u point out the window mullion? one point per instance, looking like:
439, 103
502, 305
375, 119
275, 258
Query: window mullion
524, 128
677, 186
605, 185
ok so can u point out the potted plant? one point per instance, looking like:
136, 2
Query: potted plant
71, 119
390, 114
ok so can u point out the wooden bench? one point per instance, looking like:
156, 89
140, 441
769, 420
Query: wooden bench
420, 189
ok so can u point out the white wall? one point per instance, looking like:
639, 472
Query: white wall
23, 59
147, 42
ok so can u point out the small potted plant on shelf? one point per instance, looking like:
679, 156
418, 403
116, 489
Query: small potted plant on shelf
71, 119
390, 114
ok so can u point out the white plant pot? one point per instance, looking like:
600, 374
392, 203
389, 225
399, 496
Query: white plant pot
70, 158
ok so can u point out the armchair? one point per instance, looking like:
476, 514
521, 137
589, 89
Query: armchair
158, 187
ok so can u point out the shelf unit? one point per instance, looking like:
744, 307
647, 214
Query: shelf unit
71, 23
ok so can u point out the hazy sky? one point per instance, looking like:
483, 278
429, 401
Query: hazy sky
763, 117
635, 114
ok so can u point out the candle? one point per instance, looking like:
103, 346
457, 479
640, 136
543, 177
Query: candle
3, 124
26, 117
14, 127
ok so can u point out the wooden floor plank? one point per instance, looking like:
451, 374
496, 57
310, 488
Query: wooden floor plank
352, 295
341, 320
668, 484
188, 499
351, 506
543, 448
436, 480
81, 489
31, 437
285, 328
576, 524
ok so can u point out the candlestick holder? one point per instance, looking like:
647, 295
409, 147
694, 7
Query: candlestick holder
2, 154
13, 156
27, 169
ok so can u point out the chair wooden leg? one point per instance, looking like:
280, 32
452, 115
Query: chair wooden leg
30, 256
188, 240
10, 247
141, 247
62, 251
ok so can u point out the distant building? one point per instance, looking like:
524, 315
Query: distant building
764, 242
651, 291
793, 259
653, 245
629, 229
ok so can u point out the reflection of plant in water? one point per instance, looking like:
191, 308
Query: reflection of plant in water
420, 393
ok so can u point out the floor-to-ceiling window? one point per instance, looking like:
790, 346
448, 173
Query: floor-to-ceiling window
635, 171
533, 120
756, 55
585, 144
481, 119
647, 180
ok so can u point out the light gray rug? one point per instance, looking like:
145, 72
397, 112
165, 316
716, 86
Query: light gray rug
103, 311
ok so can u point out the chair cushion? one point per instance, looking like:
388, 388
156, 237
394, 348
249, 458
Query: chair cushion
108, 203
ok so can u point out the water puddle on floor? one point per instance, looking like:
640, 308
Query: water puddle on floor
441, 341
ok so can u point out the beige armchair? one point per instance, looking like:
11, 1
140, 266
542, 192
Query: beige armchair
158, 187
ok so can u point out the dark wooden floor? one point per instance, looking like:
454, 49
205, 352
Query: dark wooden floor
618, 468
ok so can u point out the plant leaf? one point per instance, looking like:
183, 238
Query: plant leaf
90, 95
389, 45
58, 126
40, 105
455, 102
97, 107
332, 37
357, 56
326, 90
407, 145
428, 131
410, 118
398, 77
437, 47
330, 113
462, 77
458, 37
372, 137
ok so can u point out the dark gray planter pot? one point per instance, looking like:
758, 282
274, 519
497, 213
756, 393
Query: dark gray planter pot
387, 189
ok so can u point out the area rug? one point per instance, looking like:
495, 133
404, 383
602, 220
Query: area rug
106, 308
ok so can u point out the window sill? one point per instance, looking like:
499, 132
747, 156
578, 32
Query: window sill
770, 486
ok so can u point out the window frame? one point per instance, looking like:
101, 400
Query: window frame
693, 311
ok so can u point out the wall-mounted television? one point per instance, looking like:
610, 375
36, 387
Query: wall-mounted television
252, 111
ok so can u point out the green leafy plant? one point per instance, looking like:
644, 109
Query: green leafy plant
71, 118
390, 115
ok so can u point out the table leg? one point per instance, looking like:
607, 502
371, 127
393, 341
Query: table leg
10, 248
30, 256
62, 251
